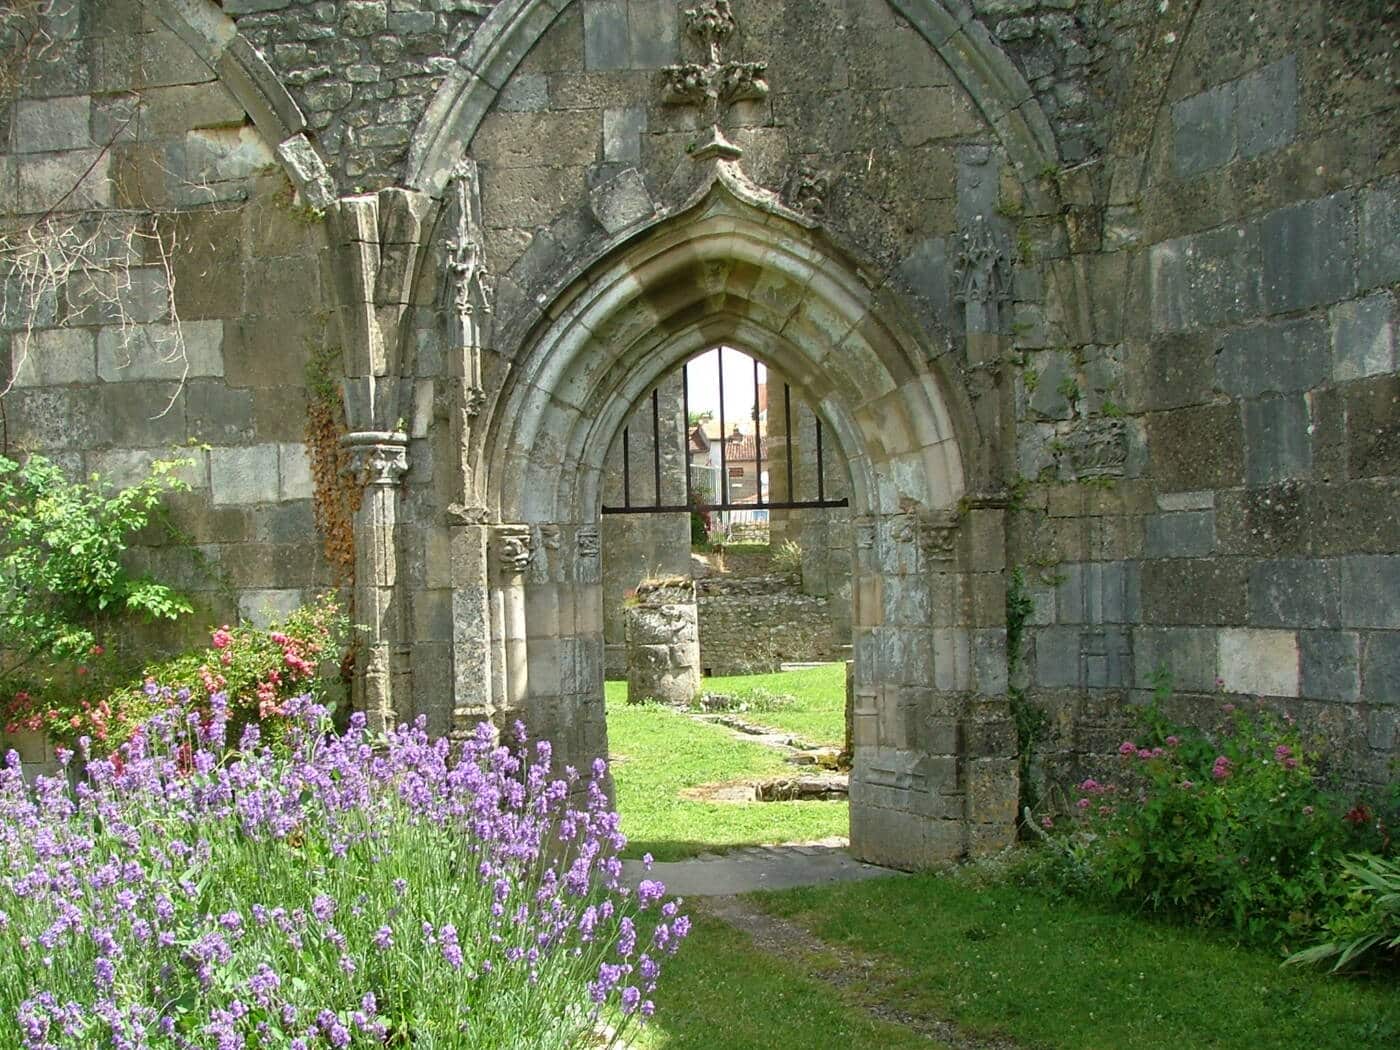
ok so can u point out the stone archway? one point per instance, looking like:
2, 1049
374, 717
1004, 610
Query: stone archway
934, 764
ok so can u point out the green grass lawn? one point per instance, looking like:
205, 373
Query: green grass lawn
719, 993
817, 714
658, 752
1005, 960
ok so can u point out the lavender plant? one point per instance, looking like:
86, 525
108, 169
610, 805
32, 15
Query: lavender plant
336, 891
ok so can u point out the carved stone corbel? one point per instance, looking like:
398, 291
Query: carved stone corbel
377, 458
514, 548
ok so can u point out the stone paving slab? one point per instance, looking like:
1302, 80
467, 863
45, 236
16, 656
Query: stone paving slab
758, 868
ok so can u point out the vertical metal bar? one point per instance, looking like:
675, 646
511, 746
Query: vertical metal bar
821, 469
626, 469
757, 438
685, 407
656, 439
723, 437
787, 436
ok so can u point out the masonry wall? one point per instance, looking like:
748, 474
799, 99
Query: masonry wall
1240, 337
754, 624
187, 327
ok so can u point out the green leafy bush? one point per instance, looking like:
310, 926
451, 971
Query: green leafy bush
1368, 921
1233, 830
64, 591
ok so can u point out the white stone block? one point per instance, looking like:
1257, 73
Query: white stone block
295, 468
244, 475
1259, 662
160, 351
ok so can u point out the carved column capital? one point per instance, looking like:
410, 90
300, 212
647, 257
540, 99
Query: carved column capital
377, 457
514, 548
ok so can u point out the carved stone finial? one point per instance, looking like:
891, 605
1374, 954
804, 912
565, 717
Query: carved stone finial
377, 457
807, 189
514, 548
713, 85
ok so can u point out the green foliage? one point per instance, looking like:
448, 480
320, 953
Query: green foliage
1367, 923
62, 579
787, 558
1234, 829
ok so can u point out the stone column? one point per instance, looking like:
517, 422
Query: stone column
472, 700
378, 460
663, 643
514, 550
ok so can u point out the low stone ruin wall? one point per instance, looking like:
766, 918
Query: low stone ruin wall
751, 625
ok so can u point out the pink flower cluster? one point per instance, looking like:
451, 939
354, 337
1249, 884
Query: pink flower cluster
1222, 768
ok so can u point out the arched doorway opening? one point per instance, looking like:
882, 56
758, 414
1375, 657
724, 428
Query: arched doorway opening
726, 272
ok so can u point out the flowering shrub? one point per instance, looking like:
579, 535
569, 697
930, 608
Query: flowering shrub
343, 892
1368, 922
258, 672
1235, 831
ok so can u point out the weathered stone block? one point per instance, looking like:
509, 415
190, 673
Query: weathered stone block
621, 202
54, 357
1204, 127
1378, 257
1057, 663
160, 351
605, 35
1370, 591
1259, 662
1284, 358
1278, 440
1331, 664
622, 134
1188, 534
1363, 337
77, 179
1196, 448
1380, 669
244, 475
1194, 591
1266, 107
1187, 655
294, 472
653, 33
524, 93
1297, 593
1309, 252
363, 17
52, 124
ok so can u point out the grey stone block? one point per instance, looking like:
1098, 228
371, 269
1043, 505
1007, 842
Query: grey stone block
1187, 534
524, 93
1204, 127
1380, 669
77, 179
653, 32
1379, 254
1295, 593
1106, 658
1363, 337
1206, 279
605, 35
622, 134
54, 357
1055, 375
1370, 591
1057, 657
1266, 107
1308, 252
249, 7
989, 661
1331, 664
159, 351
244, 475
52, 124
1186, 655
218, 414
124, 467
1278, 442
622, 201
1284, 358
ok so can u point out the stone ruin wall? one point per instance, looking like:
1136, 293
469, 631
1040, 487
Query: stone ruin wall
1204, 434
752, 625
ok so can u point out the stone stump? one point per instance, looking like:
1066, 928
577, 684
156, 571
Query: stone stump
663, 643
